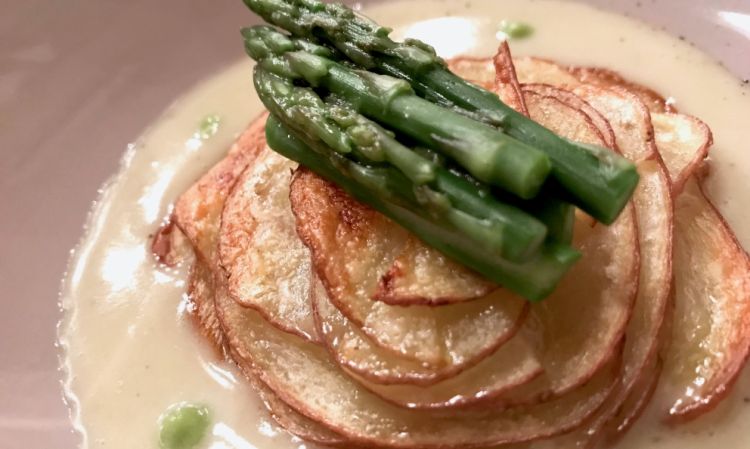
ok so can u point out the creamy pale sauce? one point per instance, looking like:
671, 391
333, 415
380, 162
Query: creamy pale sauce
130, 349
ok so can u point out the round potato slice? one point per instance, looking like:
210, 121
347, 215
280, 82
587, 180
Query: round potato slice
561, 118
635, 404
354, 351
711, 334
629, 123
352, 246
683, 143
574, 101
422, 275
380, 371
303, 376
267, 266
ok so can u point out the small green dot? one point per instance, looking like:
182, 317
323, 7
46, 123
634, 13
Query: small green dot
209, 126
516, 30
183, 426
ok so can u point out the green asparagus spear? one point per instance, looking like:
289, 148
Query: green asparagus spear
505, 230
486, 153
595, 179
534, 279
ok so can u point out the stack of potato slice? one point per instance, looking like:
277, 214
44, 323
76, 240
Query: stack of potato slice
356, 334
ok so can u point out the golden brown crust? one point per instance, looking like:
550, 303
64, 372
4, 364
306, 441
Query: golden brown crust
352, 246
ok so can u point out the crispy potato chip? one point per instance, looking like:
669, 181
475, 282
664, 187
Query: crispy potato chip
711, 331
562, 119
267, 266
630, 121
598, 291
381, 372
353, 245
574, 101
711, 334
353, 350
683, 142
294, 422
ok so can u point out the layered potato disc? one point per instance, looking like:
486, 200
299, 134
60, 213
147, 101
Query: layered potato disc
353, 245
201, 291
599, 291
421, 275
203, 310
514, 364
354, 351
711, 335
545, 71
631, 123
304, 376
683, 143
605, 132
267, 266
635, 404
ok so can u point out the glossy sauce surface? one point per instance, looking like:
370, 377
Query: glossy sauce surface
130, 348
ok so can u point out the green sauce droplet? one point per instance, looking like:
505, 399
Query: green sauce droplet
209, 126
516, 30
183, 426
